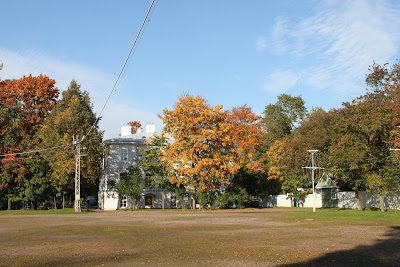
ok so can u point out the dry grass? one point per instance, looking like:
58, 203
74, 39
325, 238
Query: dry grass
267, 237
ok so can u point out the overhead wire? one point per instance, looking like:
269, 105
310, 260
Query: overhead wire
109, 96
122, 70
33, 151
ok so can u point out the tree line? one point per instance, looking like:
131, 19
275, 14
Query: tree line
34, 118
246, 155
220, 157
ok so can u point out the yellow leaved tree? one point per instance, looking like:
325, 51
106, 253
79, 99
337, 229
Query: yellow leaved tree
204, 154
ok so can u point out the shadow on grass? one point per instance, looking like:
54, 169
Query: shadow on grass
384, 252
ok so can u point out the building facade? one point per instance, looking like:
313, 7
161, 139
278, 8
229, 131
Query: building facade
123, 152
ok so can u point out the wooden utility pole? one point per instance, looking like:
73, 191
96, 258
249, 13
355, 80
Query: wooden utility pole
77, 149
313, 168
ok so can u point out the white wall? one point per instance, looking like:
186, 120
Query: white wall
309, 201
346, 200
284, 201
368, 199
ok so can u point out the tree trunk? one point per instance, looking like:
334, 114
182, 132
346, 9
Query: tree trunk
55, 202
358, 199
63, 202
193, 203
135, 203
9, 204
163, 198
291, 202
382, 201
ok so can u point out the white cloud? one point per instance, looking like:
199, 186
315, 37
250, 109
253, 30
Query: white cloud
18, 64
340, 41
281, 81
261, 43
95, 81
280, 34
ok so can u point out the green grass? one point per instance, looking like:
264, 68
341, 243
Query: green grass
333, 214
39, 212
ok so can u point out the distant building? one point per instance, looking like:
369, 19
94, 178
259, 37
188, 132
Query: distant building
124, 152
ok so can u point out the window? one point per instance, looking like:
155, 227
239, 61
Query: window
173, 201
124, 202
148, 200
124, 154
334, 193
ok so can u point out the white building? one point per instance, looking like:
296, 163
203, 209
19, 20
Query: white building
124, 152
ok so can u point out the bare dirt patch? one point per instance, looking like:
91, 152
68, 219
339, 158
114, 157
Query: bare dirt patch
269, 237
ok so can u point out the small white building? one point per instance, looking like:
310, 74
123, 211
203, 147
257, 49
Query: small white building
124, 152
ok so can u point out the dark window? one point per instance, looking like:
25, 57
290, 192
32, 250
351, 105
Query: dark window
124, 201
148, 200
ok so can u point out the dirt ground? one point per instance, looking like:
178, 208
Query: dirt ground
268, 237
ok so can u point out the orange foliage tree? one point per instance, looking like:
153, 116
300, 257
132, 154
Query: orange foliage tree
24, 105
135, 126
204, 154
248, 136
276, 153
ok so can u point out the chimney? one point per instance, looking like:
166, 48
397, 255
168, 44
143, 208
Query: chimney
150, 128
125, 130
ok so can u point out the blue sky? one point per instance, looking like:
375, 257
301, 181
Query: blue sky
229, 52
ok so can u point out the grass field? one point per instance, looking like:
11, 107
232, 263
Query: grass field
265, 237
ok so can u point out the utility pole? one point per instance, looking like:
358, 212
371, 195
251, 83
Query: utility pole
313, 168
77, 150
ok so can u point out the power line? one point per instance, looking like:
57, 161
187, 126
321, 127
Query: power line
108, 99
33, 151
122, 70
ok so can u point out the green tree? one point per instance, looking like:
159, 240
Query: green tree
281, 119
287, 157
155, 167
131, 185
378, 114
363, 133
73, 117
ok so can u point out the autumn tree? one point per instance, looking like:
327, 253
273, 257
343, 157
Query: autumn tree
378, 115
248, 136
357, 138
276, 168
203, 155
135, 126
288, 156
24, 105
73, 118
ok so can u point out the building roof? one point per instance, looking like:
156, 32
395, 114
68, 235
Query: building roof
134, 138
327, 181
